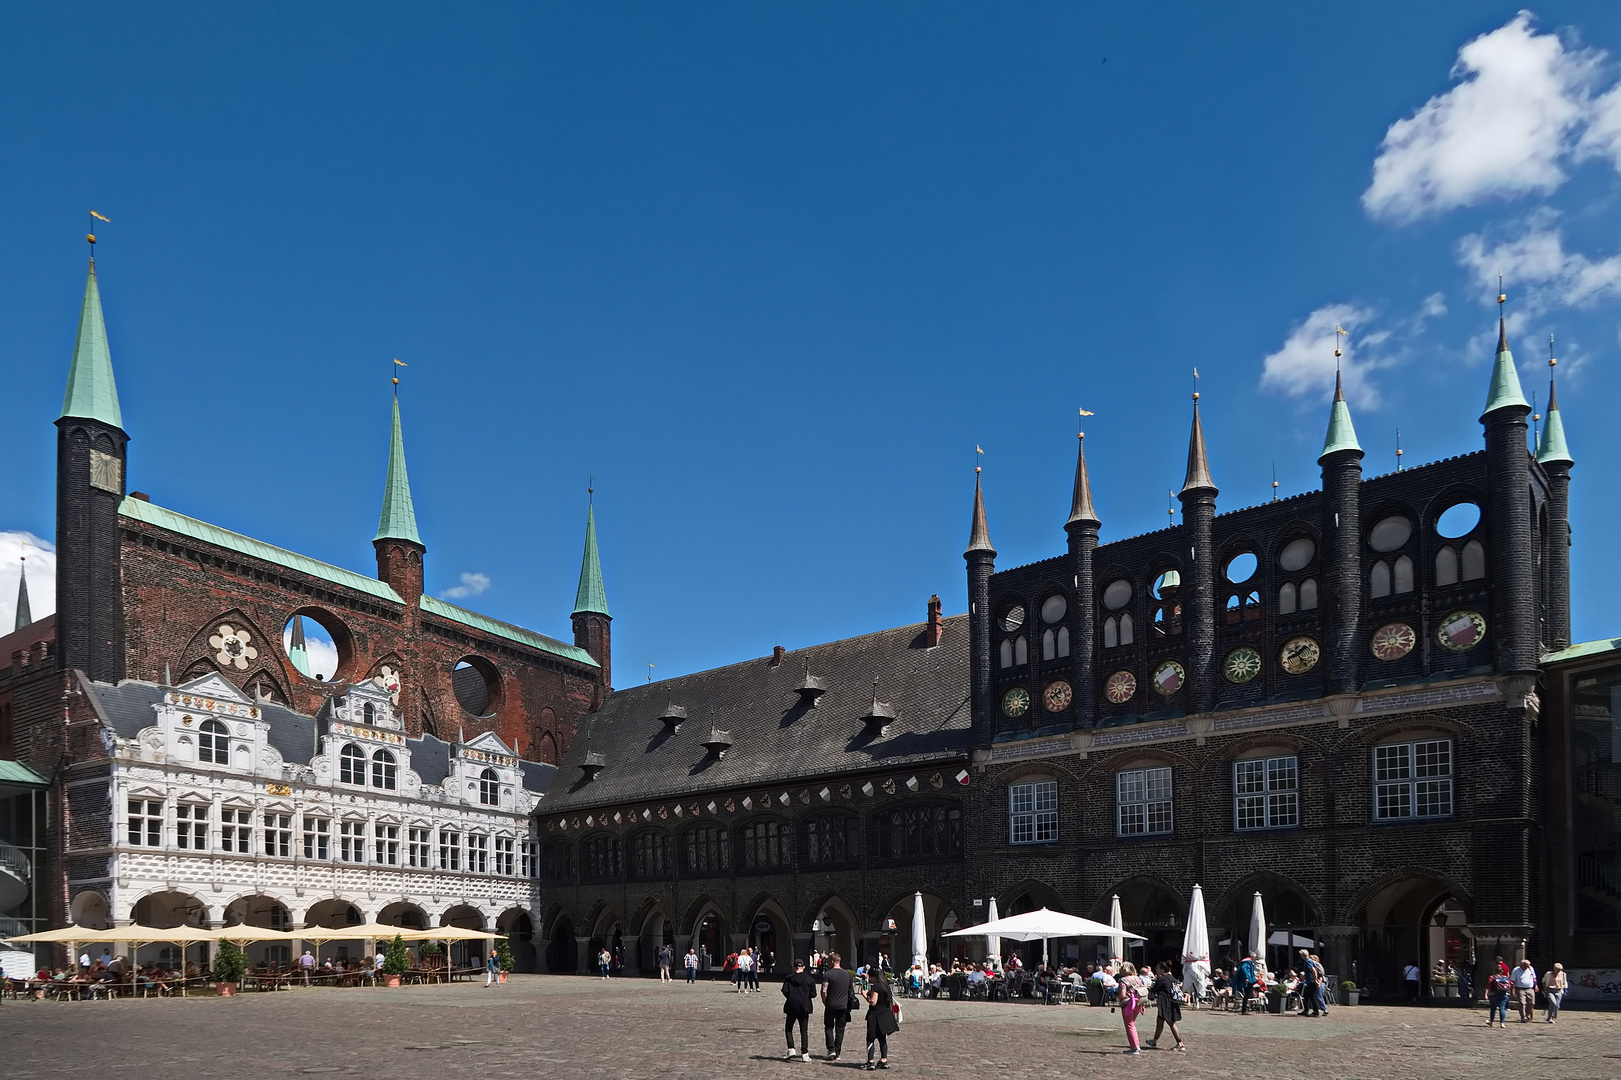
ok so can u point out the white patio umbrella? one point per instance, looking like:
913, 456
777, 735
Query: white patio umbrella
1117, 944
1196, 949
920, 934
993, 944
1257, 938
1043, 925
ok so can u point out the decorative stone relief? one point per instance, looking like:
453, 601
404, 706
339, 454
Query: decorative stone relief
231, 648
389, 680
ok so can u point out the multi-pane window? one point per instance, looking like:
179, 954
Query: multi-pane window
830, 840
557, 861
1412, 780
601, 858
236, 830
531, 864
1032, 812
489, 788
1266, 793
767, 845
1143, 800
706, 850
651, 855
191, 826
213, 743
146, 822
352, 841
317, 837
478, 853
920, 832
416, 846
450, 849
386, 844
352, 765
505, 846
383, 770
278, 834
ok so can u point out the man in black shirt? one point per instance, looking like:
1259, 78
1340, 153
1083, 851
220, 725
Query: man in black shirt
835, 1005
799, 992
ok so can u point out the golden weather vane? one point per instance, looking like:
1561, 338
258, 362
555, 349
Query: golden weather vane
91, 235
401, 363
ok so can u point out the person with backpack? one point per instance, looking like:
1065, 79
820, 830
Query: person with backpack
1498, 985
1167, 995
1132, 1002
882, 1020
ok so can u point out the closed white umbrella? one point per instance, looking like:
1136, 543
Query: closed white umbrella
1258, 930
1117, 943
920, 934
993, 943
1196, 949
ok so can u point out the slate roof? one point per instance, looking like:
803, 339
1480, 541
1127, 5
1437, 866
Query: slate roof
127, 708
775, 736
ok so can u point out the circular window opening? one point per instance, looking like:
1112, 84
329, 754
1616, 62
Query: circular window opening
1391, 533
1013, 617
1241, 567
316, 643
1460, 519
1117, 595
1296, 554
477, 685
1170, 581
1053, 608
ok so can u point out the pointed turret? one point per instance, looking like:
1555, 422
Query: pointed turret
1341, 434
24, 614
1082, 530
1198, 478
592, 623
981, 559
297, 651
1505, 388
398, 520
1080, 504
979, 534
1553, 448
1554, 456
91, 393
591, 596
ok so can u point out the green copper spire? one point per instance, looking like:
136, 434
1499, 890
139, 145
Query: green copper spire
591, 596
399, 519
1505, 389
1341, 435
25, 613
1553, 448
297, 651
91, 393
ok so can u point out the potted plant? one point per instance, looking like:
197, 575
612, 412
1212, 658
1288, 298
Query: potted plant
396, 962
503, 959
1348, 992
1452, 986
230, 965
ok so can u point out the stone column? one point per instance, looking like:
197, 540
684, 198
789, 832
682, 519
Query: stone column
583, 964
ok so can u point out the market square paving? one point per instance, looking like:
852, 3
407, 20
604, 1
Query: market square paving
567, 1027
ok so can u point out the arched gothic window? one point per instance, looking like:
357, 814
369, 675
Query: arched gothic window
383, 770
1049, 644
1446, 566
1474, 561
651, 855
920, 832
213, 743
1127, 636
352, 765
767, 845
1288, 598
1111, 633
489, 788
1379, 579
1063, 641
1402, 575
1308, 594
706, 850
830, 840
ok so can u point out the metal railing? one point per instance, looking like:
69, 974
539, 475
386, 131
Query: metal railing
15, 861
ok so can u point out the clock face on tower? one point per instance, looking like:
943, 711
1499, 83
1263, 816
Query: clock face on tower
1015, 703
1119, 687
1169, 677
1393, 641
1299, 655
1241, 665
1057, 696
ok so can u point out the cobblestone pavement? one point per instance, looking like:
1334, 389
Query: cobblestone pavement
567, 1028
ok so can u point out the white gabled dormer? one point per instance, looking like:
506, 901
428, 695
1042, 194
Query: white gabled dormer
364, 743
208, 723
484, 773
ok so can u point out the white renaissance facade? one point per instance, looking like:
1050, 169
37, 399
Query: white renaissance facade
227, 810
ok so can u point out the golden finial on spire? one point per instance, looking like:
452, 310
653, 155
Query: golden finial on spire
1195, 385
91, 235
1398, 449
1170, 500
1339, 332
401, 363
1502, 297
1274, 481
1551, 360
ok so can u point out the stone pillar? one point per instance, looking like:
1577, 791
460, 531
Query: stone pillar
633, 953
583, 964
1339, 957
803, 944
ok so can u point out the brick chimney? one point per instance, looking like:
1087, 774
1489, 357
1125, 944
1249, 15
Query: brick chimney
777, 653
931, 636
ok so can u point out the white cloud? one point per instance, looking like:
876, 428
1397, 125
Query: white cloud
319, 648
472, 585
1540, 273
1500, 132
41, 562
1304, 366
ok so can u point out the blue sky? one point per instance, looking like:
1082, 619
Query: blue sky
770, 273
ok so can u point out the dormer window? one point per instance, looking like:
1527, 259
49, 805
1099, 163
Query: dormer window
489, 788
383, 769
352, 765
213, 743
369, 713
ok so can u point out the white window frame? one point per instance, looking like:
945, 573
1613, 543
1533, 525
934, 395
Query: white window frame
317, 837
450, 849
418, 846
386, 844
145, 822
352, 841
505, 850
278, 834
1269, 789
1145, 801
478, 853
1033, 812
236, 830
1413, 781
191, 821
530, 854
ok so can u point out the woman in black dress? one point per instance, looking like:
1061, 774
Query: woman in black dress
1166, 1005
881, 1022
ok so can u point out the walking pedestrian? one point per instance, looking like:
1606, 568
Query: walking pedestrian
1524, 979
799, 996
836, 993
665, 955
492, 968
1244, 983
1168, 1005
1131, 1003
745, 963
881, 1020
1308, 985
1497, 989
691, 962
605, 961
1322, 984
1411, 976
1554, 985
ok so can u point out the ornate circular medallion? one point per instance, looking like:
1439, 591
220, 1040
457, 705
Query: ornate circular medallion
1120, 687
1241, 665
1461, 630
1015, 703
389, 680
231, 647
1169, 677
1299, 655
1057, 696
1393, 641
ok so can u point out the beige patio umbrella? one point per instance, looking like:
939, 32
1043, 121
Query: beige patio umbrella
174, 935
72, 937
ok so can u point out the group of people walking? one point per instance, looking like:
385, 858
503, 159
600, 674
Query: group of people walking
840, 998
1521, 984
